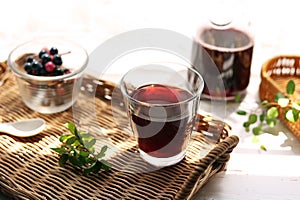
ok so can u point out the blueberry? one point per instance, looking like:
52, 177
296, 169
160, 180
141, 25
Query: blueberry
42, 52
57, 59
36, 65
45, 58
27, 67
43, 72
58, 72
29, 59
53, 51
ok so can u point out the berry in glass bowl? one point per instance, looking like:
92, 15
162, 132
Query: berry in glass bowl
45, 63
48, 73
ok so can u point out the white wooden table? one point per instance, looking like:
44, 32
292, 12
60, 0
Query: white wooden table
251, 173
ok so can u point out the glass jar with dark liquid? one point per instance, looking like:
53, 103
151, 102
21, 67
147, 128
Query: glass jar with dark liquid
222, 53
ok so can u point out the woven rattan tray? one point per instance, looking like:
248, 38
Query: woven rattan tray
30, 170
275, 74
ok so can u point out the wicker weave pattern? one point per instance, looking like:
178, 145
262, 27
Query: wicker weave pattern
275, 74
30, 170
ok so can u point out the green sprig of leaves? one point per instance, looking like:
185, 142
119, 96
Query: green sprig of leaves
78, 149
269, 112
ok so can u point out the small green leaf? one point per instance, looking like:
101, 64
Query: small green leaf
278, 96
252, 118
77, 143
83, 160
290, 88
71, 140
292, 115
263, 147
85, 135
91, 150
272, 113
237, 97
90, 160
63, 138
271, 122
296, 106
97, 167
246, 124
241, 112
75, 161
72, 128
102, 152
283, 102
84, 153
257, 130
262, 117
60, 150
265, 102
72, 160
63, 159
90, 143
106, 165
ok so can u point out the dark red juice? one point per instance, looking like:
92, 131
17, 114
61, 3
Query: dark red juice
164, 128
231, 50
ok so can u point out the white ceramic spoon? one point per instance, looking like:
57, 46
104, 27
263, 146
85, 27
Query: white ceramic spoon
23, 128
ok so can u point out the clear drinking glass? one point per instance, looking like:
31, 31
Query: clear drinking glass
162, 101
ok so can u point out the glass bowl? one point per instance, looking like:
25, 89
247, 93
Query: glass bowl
49, 94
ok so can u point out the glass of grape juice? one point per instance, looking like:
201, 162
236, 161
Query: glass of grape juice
162, 101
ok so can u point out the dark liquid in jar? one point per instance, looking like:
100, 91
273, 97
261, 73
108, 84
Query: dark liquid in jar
161, 137
231, 50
